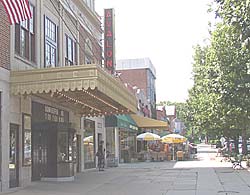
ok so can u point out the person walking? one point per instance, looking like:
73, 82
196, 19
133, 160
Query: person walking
101, 159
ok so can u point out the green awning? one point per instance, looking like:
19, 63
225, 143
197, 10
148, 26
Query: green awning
127, 122
122, 121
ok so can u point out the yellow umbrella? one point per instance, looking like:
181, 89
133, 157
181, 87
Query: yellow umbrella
148, 137
88, 139
173, 138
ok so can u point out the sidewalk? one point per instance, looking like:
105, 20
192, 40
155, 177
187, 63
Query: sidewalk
204, 176
152, 178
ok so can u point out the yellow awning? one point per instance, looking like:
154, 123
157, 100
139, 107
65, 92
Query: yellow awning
149, 123
86, 89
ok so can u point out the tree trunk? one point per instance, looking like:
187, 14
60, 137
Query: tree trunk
236, 144
244, 142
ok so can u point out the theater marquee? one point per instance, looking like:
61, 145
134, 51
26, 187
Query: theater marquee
109, 40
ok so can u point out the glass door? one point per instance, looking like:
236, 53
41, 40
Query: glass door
13, 154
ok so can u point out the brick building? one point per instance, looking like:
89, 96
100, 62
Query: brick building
140, 73
4, 94
5, 40
54, 92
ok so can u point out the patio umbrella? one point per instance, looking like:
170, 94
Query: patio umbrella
173, 138
88, 139
148, 137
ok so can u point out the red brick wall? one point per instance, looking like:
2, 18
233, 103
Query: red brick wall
135, 77
4, 39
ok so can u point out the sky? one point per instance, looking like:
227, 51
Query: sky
164, 31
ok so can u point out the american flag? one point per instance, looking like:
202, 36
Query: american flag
17, 10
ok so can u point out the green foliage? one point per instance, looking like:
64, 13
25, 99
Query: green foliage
219, 100
235, 13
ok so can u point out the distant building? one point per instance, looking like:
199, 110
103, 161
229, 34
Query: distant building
140, 73
162, 115
171, 115
179, 126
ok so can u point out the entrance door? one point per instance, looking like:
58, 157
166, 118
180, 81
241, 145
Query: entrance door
44, 153
14, 155
39, 154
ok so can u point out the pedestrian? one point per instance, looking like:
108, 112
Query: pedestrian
100, 156
222, 141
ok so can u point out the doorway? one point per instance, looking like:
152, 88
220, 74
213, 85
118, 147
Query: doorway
14, 156
53, 151
39, 154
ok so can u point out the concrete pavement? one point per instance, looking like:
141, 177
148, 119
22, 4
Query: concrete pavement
204, 176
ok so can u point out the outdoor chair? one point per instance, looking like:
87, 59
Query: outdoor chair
180, 155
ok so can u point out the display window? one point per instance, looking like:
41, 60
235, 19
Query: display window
110, 142
66, 146
127, 145
26, 140
89, 144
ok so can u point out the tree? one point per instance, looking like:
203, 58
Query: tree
236, 13
220, 96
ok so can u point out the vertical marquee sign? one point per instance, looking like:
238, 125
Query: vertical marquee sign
109, 40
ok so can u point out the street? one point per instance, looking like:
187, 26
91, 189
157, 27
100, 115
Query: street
205, 175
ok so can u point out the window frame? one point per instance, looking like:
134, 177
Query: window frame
88, 51
50, 36
25, 38
70, 51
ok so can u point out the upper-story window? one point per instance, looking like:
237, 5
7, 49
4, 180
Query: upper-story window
88, 60
88, 52
50, 43
25, 37
70, 53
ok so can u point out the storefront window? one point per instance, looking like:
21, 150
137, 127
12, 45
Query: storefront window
89, 144
127, 145
89, 155
110, 142
66, 151
63, 147
72, 147
26, 140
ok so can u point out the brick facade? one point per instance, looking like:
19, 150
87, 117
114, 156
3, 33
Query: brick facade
140, 78
4, 39
135, 77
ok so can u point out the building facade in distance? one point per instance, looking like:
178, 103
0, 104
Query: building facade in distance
141, 74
